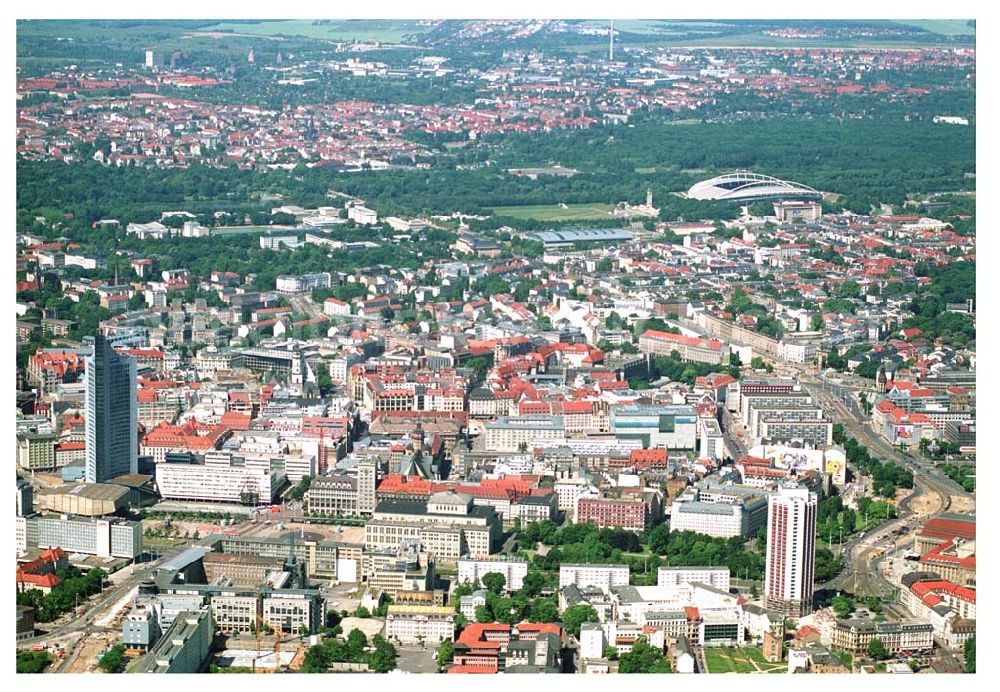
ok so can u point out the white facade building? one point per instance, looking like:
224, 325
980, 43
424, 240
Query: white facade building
516, 433
289, 285
413, 624
291, 612
513, 570
217, 483
362, 215
333, 307
717, 577
601, 576
592, 641
792, 352
100, 537
233, 613
791, 551
712, 519
276, 242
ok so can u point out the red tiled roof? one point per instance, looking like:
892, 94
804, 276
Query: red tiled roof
540, 627
805, 631
721, 380
465, 670
937, 556
645, 458
474, 634
235, 420
47, 581
578, 407
949, 528
925, 588
713, 344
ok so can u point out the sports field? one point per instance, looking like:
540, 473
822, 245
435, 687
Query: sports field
555, 212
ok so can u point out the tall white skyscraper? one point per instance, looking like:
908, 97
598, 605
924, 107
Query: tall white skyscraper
791, 551
111, 415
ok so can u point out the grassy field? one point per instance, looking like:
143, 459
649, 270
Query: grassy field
654, 26
667, 28
945, 27
745, 660
125, 39
158, 542
755, 40
554, 212
383, 30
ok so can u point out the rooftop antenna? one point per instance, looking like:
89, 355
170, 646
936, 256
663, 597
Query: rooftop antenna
611, 42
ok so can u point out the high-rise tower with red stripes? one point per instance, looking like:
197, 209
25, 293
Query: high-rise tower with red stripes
791, 551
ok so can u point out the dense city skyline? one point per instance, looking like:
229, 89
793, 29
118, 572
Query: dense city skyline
496, 346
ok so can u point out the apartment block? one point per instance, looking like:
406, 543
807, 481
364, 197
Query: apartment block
690, 348
716, 577
516, 433
415, 624
473, 570
601, 576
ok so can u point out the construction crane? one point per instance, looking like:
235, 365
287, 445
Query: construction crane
258, 624
278, 634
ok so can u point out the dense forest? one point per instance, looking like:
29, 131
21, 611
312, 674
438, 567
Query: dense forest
866, 162
950, 283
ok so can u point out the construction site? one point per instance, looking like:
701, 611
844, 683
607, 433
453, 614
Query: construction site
268, 651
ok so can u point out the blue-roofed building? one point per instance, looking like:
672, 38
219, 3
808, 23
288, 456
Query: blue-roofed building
74, 471
182, 560
670, 427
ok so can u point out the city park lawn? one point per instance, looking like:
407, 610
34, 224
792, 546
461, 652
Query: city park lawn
745, 660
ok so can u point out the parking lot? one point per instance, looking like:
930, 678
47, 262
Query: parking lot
414, 659
343, 597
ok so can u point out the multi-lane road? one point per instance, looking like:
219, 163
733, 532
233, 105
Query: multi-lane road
862, 555
861, 573
85, 623
841, 404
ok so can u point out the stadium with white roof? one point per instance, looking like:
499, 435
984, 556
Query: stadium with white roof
750, 187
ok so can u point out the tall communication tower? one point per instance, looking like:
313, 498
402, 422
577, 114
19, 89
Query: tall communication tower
611, 42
